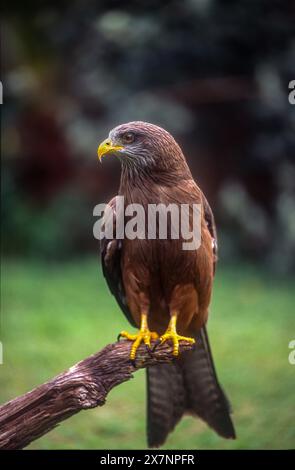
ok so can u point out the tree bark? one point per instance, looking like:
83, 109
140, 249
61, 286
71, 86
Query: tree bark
83, 386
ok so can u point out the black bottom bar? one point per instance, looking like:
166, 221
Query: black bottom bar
135, 458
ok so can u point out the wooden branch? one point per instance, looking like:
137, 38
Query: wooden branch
83, 386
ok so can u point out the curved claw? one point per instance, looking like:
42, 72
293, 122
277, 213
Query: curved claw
157, 342
149, 350
133, 362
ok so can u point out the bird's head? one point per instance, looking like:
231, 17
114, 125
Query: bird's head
141, 145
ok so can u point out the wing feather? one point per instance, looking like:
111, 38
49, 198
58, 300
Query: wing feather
111, 255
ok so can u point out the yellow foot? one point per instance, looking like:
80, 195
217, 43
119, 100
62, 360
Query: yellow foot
171, 334
144, 335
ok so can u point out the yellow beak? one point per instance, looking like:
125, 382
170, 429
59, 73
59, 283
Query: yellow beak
107, 147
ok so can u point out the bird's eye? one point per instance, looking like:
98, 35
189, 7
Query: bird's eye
128, 137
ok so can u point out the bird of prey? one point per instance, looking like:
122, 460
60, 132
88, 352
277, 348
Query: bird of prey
162, 289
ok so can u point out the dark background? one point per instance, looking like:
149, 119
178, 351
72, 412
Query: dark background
214, 73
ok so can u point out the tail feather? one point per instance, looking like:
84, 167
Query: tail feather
166, 401
188, 385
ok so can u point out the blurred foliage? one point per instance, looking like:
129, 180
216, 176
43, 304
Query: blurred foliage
57, 231
56, 314
213, 72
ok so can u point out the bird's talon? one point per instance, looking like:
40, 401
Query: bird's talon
157, 343
176, 338
149, 350
133, 362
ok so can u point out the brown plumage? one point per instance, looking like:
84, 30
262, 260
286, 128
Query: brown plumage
159, 278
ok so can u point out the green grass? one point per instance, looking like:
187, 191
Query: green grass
55, 315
